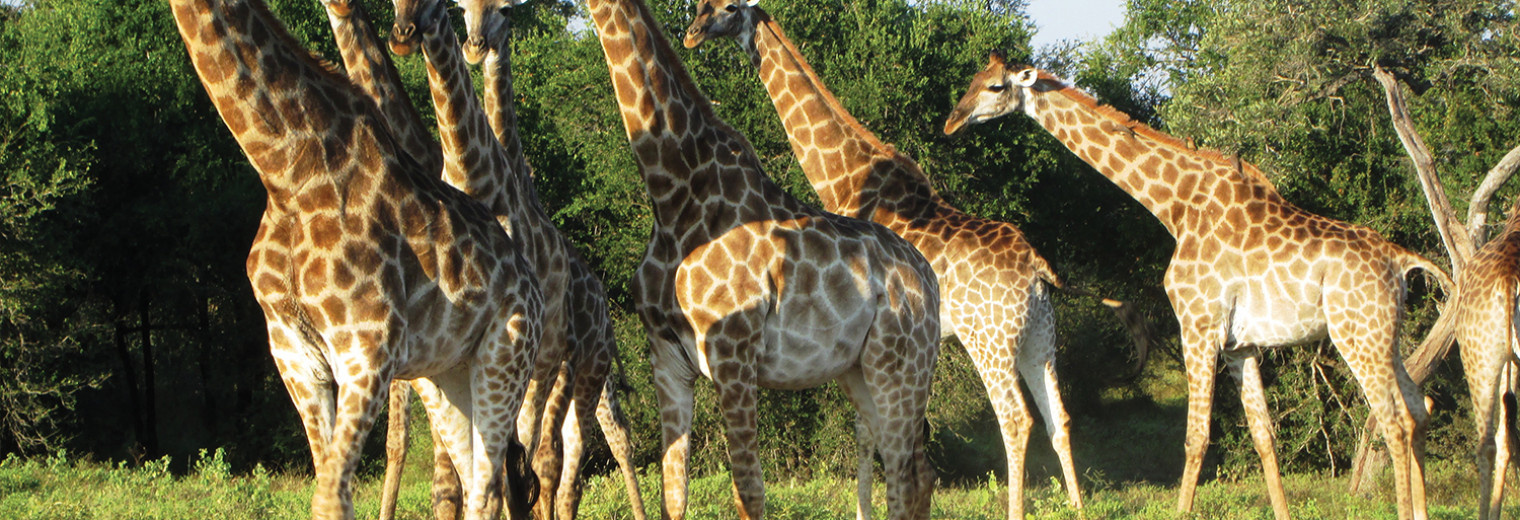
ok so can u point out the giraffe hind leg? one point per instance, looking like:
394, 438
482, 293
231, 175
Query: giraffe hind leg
1036, 362
615, 429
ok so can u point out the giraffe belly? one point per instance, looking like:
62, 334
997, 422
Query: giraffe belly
1260, 323
808, 344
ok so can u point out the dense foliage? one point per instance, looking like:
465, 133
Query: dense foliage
126, 208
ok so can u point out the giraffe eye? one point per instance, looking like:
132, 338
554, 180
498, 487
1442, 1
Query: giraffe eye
731, 8
999, 87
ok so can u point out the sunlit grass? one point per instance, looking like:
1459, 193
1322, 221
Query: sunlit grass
59, 488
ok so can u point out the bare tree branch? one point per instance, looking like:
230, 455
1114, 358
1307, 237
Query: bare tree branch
1458, 245
1477, 209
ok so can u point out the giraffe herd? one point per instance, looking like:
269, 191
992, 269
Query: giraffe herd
388, 263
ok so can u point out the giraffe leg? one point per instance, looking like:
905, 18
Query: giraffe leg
549, 455
1036, 361
1486, 388
361, 396
615, 430
312, 393
396, 437
1046, 392
578, 420
1247, 370
865, 453
1400, 410
449, 424
737, 396
673, 387
892, 405
1201, 353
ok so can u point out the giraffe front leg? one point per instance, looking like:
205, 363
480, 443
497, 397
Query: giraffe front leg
361, 397
1253, 398
865, 453
673, 387
737, 395
615, 429
548, 458
396, 437
1200, 354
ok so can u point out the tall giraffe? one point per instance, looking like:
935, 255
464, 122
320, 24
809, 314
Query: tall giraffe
992, 281
591, 346
476, 163
1486, 329
1251, 271
367, 268
745, 285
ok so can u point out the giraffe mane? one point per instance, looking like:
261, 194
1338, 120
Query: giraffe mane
1168, 141
280, 32
832, 102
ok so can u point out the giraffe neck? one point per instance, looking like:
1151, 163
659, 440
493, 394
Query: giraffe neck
472, 159
499, 100
305, 129
841, 158
689, 158
1183, 187
370, 67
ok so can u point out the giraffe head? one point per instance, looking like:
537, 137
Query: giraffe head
410, 16
996, 91
718, 18
483, 24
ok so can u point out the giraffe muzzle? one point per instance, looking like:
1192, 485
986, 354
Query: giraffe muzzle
402, 39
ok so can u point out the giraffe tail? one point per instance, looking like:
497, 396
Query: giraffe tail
1409, 261
1133, 320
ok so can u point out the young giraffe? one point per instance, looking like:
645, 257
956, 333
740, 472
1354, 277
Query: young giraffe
1486, 329
992, 281
1250, 271
745, 285
591, 346
367, 268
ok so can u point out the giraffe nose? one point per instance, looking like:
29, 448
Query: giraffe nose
477, 41
405, 32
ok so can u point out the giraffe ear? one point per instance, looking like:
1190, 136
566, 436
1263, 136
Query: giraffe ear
751, 3
1027, 77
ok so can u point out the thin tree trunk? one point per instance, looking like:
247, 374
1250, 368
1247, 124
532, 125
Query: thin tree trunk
150, 390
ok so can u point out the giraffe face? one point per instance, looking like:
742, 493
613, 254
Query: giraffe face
410, 16
484, 22
996, 91
719, 18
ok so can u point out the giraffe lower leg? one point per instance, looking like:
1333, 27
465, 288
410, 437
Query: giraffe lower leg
615, 430
448, 496
737, 397
359, 401
1253, 399
396, 437
1485, 381
449, 427
673, 388
1013, 416
865, 453
1046, 392
548, 458
1200, 358
578, 421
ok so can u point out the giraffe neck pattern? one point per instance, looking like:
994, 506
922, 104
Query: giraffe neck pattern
853, 172
370, 68
1183, 187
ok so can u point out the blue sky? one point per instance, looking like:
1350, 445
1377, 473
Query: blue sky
1083, 20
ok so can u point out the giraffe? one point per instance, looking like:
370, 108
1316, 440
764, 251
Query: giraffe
591, 345
476, 163
992, 281
371, 69
1250, 271
746, 286
367, 268
1486, 330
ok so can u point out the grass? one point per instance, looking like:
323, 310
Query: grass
58, 488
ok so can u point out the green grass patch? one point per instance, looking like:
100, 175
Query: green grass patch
58, 488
